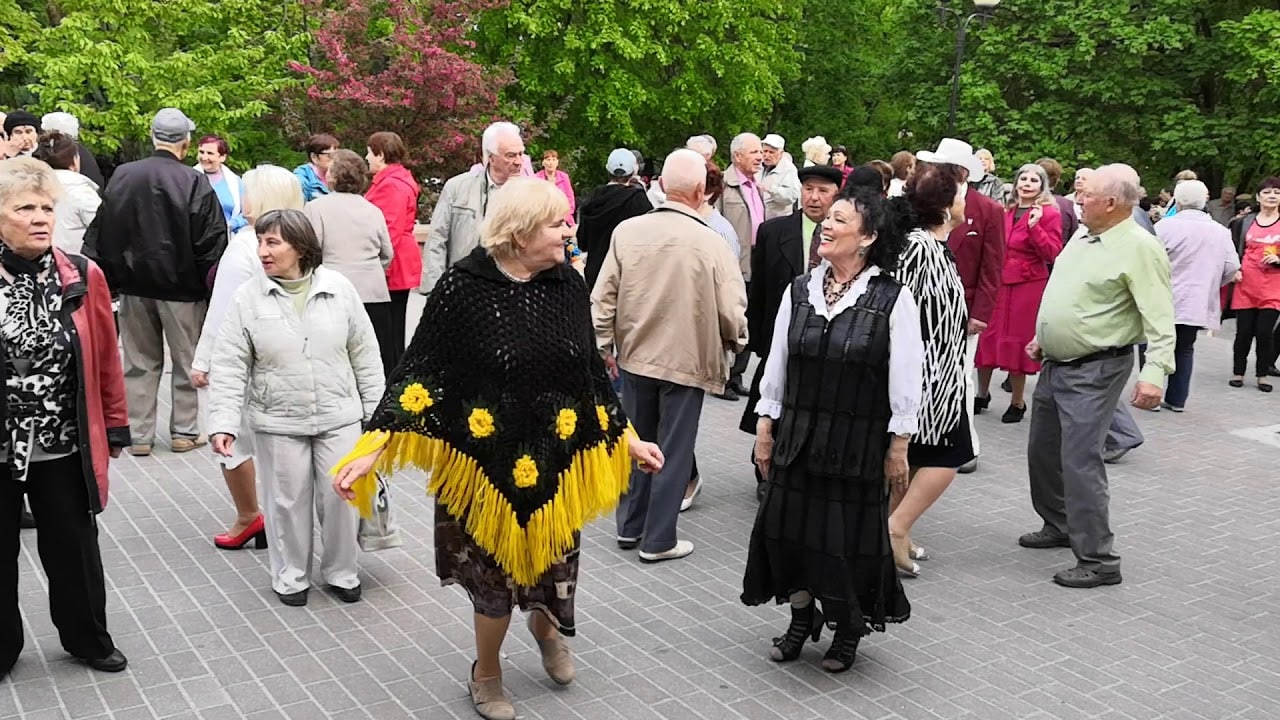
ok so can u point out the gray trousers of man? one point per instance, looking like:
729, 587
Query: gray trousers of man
1070, 412
1124, 433
145, 326
294, 472
668, 414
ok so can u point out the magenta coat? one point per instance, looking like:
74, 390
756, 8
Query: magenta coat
562, 181
1028, 254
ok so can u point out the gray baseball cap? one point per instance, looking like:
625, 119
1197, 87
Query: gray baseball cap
171, 125
621, 163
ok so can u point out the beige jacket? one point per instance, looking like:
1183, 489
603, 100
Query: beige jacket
353, 235
455, 225
733, 206
670, 298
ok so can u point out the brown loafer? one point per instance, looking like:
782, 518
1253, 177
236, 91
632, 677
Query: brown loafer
556, 659
182, 444
488, 697
139, 450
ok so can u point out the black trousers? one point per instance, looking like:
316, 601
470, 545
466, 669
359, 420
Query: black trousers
399, 309
67, 542
380, 314
1254, 326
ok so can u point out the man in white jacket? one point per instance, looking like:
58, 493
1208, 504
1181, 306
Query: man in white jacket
779, 179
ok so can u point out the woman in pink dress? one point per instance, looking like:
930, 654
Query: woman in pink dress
551, 172
1033, 232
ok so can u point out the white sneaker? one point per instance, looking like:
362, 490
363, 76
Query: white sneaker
687, 503
682, 549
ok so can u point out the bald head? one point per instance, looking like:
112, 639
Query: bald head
1119, 181
684, 177
1108, 197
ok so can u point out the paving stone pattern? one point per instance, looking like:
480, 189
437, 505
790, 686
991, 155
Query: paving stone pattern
1193, 632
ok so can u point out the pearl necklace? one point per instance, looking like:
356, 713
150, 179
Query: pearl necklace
509, 276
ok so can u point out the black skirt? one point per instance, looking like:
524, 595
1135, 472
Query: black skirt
957, 450
828, 536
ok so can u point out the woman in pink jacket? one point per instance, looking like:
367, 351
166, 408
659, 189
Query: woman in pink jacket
1033, 232
395, 193
551, 171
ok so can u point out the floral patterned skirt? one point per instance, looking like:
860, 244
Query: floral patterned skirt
460, 561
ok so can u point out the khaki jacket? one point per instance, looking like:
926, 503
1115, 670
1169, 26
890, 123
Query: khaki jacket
455, 225
671, 299
733, 206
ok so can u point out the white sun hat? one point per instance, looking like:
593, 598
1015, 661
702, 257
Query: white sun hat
954, 152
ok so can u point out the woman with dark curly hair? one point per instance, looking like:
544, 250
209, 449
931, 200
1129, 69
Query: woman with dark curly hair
936, 193
839, 393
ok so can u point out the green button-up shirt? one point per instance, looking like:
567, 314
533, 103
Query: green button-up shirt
1109, 291
807, 227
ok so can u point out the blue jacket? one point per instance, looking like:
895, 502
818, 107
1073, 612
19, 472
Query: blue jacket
312, 185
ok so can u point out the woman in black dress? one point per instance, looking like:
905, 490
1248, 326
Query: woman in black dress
838, 403
936, 192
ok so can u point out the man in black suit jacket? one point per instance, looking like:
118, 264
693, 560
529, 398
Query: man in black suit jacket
785, 247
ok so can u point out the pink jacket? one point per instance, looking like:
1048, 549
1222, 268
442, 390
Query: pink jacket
1029, 251
562, 181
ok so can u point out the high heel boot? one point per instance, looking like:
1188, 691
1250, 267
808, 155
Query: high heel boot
806, 622
843, 650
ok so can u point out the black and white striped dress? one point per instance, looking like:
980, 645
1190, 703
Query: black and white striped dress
928, 269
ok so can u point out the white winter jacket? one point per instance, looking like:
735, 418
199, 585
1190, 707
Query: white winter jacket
76, 209
304, 374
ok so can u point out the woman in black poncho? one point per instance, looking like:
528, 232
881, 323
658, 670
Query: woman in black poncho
504, 399
838, 404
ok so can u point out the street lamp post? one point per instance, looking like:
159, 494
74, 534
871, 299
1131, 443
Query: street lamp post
983, 10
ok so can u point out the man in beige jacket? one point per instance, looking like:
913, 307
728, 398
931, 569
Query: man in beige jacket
743, 204
671, 300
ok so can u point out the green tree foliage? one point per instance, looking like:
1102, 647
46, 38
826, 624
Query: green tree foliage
113, 63
1161, 84
841, 92
596, 74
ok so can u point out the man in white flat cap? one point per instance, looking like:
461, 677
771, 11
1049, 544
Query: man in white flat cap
779, 178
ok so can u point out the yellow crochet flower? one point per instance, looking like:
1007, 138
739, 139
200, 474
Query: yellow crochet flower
566, 423
481, 423
603, 416
526, 472
416, 398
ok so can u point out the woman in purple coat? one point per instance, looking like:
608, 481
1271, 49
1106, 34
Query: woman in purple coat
1033, 229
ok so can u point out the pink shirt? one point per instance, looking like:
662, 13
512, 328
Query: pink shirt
755, 205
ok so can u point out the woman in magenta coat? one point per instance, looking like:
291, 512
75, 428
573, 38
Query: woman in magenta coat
551, 172
1033, 232
395, 193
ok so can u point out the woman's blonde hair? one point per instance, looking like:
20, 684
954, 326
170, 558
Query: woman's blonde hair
517, 210
24, 174
271, 187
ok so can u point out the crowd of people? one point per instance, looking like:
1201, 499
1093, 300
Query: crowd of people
561, 363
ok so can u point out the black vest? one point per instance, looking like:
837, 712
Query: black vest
835, 408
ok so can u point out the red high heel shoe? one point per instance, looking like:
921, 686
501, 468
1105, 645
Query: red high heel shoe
257, 532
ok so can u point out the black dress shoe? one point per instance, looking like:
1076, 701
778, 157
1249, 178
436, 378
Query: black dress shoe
738, 387
1007, 385
28, 521
1083, 577
1013, 415
729, 394
297, 599
981, 403
346, 595
1044, 538
113, 663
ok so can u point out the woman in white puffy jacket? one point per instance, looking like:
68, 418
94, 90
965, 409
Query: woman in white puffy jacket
80, 201
266, 188
298, 343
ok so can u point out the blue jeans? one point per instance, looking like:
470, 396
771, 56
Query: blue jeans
1178, 386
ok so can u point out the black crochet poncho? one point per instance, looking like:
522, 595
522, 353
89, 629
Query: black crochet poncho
504, 400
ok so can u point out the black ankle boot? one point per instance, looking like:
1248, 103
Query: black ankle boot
843, 650
805, 622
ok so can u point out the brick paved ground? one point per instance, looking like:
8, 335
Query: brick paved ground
1194, 631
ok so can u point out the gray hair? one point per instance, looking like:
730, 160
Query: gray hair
164, 144
741, 139
683, 171
489, 141
25, 174
1191, 195
1046, 190
1119, 181
63, 122
703, 144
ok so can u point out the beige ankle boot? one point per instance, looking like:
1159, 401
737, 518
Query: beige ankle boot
556, 659
489, 699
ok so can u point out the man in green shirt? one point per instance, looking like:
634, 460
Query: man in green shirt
1110, 290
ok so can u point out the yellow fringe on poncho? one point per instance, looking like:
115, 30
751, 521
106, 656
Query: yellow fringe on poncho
588, 488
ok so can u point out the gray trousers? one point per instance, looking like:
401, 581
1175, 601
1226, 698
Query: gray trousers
294, 473
1070, 411
145, 325
1124, 433
667, 414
